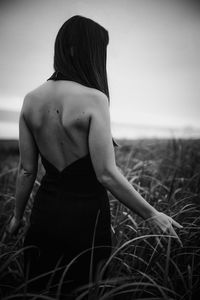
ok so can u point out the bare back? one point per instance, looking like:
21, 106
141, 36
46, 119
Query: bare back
58, 116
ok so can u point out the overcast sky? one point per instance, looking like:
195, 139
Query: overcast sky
153, 55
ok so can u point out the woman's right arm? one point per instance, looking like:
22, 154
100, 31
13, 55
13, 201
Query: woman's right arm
107, 172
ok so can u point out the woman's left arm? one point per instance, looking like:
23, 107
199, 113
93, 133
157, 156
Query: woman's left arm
28, 163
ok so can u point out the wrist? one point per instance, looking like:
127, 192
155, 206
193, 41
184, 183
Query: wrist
151, 213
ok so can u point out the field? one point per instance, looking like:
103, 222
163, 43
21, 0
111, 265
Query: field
167, 174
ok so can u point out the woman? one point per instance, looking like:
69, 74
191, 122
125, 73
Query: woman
66, 121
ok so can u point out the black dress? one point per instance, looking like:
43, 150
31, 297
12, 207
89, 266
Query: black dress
70, 216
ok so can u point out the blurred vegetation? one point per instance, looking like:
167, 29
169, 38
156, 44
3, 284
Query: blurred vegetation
167, 174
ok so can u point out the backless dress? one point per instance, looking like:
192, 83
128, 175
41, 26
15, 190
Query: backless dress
69, 223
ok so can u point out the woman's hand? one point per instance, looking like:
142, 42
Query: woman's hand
12, 227
161, 223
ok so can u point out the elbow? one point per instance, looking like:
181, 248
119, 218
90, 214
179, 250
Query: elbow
27, 172
107, 176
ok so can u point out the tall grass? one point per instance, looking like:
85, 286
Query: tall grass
142, 265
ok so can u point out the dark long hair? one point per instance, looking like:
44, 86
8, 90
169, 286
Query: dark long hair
80, 54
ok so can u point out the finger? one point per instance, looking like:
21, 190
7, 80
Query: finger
156, 230
176, 223
173, 233
164, 233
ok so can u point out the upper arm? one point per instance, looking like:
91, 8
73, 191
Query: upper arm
100, 137
27, 147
